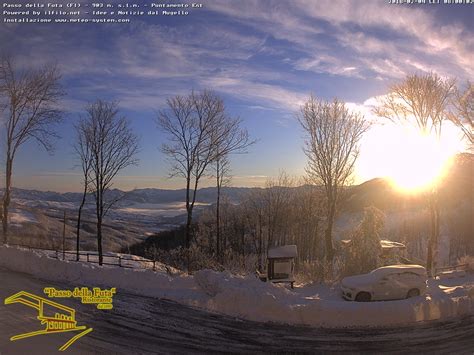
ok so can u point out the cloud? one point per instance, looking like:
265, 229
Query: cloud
143, 64
324, 63
56, 173
153, 62
250, 90
363, 32
249, 180
412, 27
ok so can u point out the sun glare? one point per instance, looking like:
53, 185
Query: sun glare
413, 162
420, 163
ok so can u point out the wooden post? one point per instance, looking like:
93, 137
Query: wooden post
64, 236
120, 261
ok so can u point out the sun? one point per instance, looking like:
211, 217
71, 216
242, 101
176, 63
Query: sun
421, 162
413, 162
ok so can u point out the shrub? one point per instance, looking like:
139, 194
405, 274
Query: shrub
469, 260
364, 250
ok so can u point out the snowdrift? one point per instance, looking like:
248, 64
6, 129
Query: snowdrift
249, 298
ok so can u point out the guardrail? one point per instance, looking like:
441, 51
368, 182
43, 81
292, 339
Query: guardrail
123, 261
451, 268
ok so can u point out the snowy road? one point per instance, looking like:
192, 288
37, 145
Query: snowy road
147, 325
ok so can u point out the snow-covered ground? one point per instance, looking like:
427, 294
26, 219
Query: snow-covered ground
46, 204
150, 210
19, 217
247, 297
110, 259
157, 209
138, 219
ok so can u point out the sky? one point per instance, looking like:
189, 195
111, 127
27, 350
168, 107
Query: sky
263, 57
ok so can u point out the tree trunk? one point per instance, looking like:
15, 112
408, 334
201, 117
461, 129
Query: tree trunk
260, 242
270, 231
210, 243
242, 243
224, 242
188, 228
189, 220
328, 233
316, 242
64, 236
99, 212
434, 235
429, 253
99, 239
218, 229
188, 238
79, 221
437, 231
7, 198
189, 212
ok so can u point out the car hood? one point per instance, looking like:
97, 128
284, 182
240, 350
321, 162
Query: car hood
357, 281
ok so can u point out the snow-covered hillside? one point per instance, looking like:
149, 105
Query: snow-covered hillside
247, 297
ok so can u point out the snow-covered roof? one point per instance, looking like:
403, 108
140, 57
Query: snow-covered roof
385, 270
284, 251
388, 244
385, 244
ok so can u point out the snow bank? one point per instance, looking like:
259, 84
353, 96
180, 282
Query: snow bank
321, 306
140, 281
249, 298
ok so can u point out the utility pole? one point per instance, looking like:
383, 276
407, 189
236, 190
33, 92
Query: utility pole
64, 236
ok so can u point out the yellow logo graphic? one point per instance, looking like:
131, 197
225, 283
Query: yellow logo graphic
101, 298
62, 320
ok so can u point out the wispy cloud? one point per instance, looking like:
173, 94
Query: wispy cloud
265, 93
330, 65
366, 32
266, 56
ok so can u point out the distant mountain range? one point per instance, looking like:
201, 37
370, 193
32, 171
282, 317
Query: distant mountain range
458, 185
148, 195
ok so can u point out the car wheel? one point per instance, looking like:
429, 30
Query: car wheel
363, 297
413, 293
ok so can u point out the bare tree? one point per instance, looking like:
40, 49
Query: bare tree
424, 99
113, 147
308, 209
195, 126
254, 209
222, 169
29, 99
83, 150
231, 138
332, 137
463, 114
277, 196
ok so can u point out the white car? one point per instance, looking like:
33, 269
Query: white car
386, 283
